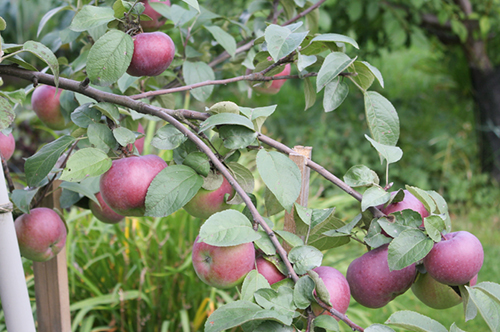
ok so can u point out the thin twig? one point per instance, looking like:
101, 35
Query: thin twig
6, 171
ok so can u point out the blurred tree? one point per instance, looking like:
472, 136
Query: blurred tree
466, 30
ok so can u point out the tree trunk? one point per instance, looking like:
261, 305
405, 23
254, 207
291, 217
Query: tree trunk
486, 85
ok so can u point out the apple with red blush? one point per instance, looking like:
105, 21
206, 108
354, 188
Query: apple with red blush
153, 54
157, 20
45, 103
268, 270
274, 86
371, 282
103, 212
409, 202
41, 234
124, 186
222, 267
7, 145
456, 259
207, 202
338, 288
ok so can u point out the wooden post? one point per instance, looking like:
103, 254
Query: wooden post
13, 291
51, 285
302, 153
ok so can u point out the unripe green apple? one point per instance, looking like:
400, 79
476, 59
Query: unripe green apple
41, 234
7, 145
46, 105
125, 185
435, 294
207, 202
222, 267
153, 53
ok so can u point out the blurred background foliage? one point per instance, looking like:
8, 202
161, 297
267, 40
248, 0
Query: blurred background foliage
137, 275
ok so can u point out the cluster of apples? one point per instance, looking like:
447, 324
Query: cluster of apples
454, 261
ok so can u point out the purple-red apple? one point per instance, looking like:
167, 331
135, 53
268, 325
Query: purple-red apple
409, 202
372, 284
153, 53
222, 267
46, 105
125, 185
268, 270
207, 202
103, 212
338, 288
7, 145
41, 234
275, 86
456, 259
435, 294
157, 20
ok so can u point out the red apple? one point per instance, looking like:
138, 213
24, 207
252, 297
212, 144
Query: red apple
153, 53
338, 288
157, 20
124, 186
268, 270
139, 143
46, 105
103, 212
372, 284
435, 294
7, 145
222, 267
207, 202
41, 234
456, 259
409, 202
276, 85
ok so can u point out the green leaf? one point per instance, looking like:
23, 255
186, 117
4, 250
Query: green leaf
109, 57
281, 41
124, 136
3, 24
171, 189
382, 118
45, 54
265, 244
424, 197
258, 115
280, 301
334, 37
409, 247
364, 76
48, 16
244, 177
193, 3
84, 115
85, 163
109, 110
373, 196
223, 38
375, 72
320, 287
290, 238
253, 282
22, 198
7, 114
168, 138
86, 187
325, 235
237, 313
390, 153
227, 228
487, 307
236, 137
470, 309
361, 176
305, 258
334, 64
281, 176
413, 321
303, 292
38, 166
491, 288
392, 228
305, 61
374, 238
335, 94
309, 93
196, 72
199, 162
90, 17
378, 328
101, 136
454, 328
327, 322
225, 118
434, 225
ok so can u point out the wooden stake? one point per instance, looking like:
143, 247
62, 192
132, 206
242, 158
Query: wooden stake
51, 285
299, 158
